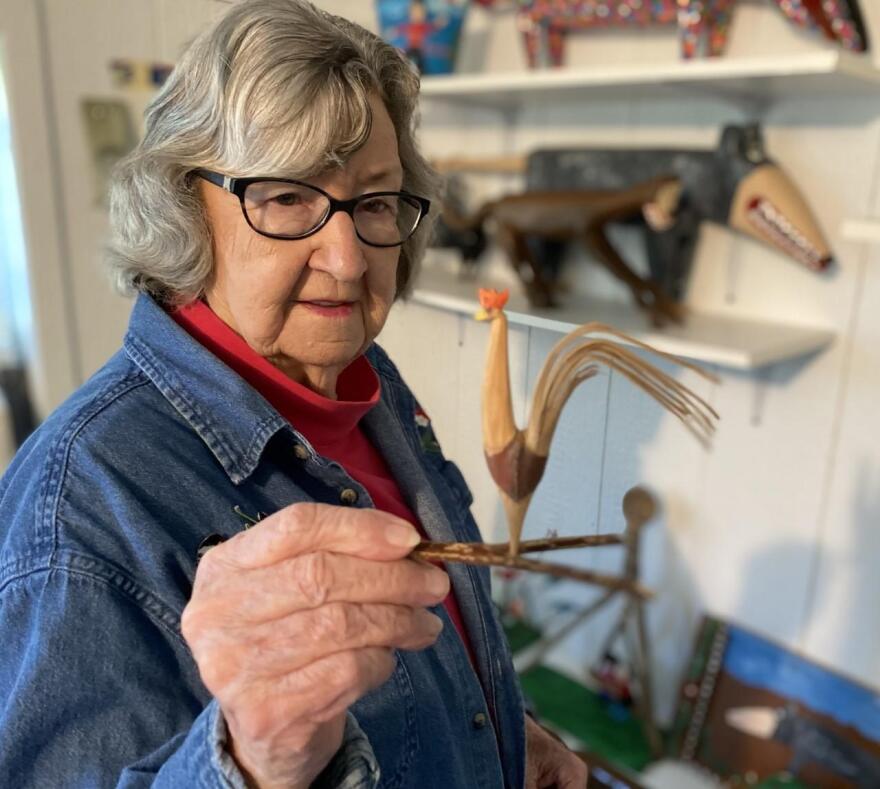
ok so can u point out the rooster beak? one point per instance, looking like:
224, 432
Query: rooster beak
481, 315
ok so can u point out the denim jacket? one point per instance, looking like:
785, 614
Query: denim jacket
101, 516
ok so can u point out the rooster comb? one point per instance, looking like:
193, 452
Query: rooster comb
493, 300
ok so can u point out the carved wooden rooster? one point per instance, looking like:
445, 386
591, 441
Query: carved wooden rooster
516, 458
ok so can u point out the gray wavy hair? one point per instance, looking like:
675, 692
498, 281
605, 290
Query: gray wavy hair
274, 87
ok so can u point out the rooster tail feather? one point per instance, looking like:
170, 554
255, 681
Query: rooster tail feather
576, 357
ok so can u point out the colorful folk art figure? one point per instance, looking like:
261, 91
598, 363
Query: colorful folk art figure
416, 32
517, 458
613, 679
703, 24
427, 31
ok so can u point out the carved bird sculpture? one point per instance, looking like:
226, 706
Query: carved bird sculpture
516, 458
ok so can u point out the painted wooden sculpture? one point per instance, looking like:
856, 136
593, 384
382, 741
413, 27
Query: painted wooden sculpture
517, 458
426, 31
703, 25
736, 184
581, 215
576, 193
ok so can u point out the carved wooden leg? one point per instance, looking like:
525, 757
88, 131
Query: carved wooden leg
719, 26
531, 34
647, 295
538, 291
543, 40
691, 26
847, 25
801, 13
556, 44
640, 657
839, 20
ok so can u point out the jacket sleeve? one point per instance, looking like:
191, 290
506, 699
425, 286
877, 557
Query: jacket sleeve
96, 689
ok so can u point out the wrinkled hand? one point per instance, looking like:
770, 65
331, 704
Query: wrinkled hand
549, 763
294, 620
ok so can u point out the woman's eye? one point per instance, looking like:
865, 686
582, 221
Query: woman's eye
288, 198
377, 205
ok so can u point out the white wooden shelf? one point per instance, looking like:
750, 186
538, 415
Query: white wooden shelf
743, 344
862, 230
823, 73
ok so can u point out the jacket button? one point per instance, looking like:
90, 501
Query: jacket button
348, 496
301, 452
480, 720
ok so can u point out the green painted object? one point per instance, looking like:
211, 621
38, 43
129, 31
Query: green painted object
569, 706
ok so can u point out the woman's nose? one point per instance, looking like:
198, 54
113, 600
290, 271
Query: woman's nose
338, 250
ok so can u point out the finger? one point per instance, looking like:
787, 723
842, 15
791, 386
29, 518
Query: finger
349, 675
531, 777
284, 646
313, 580
571, 774
312, 695
306, 527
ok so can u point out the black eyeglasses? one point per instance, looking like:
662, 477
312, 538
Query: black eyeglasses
287, 209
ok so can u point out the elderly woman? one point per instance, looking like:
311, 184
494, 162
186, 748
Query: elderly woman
204, 578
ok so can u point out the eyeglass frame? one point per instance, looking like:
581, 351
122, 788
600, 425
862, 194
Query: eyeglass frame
238, 187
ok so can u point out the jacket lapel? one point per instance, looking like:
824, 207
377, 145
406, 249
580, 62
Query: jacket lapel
384, 430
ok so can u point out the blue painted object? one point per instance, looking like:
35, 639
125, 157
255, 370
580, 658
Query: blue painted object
427, 31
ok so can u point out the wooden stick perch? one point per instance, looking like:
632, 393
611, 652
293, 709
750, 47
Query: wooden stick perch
559, 543
499, 556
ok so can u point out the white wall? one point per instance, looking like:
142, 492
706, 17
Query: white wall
776, 527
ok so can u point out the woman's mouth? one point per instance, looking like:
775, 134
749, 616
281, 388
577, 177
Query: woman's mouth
330, 309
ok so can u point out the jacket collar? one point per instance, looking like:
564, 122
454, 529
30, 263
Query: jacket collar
233, 420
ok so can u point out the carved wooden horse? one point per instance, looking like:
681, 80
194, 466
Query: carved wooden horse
577, 215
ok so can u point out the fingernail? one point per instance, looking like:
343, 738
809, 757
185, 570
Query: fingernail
402, 536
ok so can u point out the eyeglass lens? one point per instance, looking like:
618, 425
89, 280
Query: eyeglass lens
292, 210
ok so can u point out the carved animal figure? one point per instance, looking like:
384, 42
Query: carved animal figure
575, 215
517, 458
702, 24
736, 185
